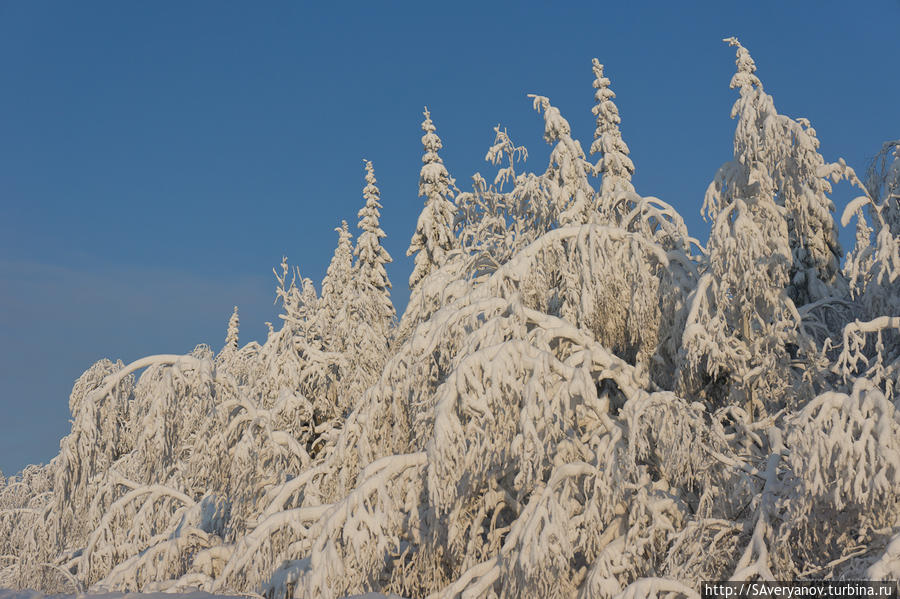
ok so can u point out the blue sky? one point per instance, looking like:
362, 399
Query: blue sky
157, 159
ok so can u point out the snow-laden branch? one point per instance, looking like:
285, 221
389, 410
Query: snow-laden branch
110, 381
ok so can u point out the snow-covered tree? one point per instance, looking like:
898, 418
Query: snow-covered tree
573, 405
873, 266
617, 195
617, 202
784, 152
571, 192
336, 291
371, 280
229, 351
742, 328
231, 337
870, 343
370, 312
495, 222
434, 238
883, 173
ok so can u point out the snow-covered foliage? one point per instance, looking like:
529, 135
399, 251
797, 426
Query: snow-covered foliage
873, 267
434, 238
371, 313
372, 279
579, 401
778, 156
335, 289
571, 193
616, 194
231, 338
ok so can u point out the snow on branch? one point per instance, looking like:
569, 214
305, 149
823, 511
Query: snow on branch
579, 401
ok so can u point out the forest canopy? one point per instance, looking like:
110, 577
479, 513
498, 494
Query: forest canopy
580, 400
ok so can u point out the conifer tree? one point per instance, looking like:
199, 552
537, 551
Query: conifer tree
371, 312
229, 352
614, 166
372, 280
309, 302
434, 238
335, 290
231, 337
567, 174
803, 188
781, 154
617, 202
741, 321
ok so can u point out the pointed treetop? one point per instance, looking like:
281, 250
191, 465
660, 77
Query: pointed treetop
555, 125
434, 229
614, 161
572, 198
744, 77
336, 290
231, 337
370, 254
371, 194
344, 236
372, 313
370, 174
427, 124
338, 273
778, 170
433, 178
430, 140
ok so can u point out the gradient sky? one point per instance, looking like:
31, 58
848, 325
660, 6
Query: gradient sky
157, 159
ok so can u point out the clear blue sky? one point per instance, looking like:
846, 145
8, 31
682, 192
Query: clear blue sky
157, 159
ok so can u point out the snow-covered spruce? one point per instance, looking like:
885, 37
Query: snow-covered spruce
579, 401
433, 240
